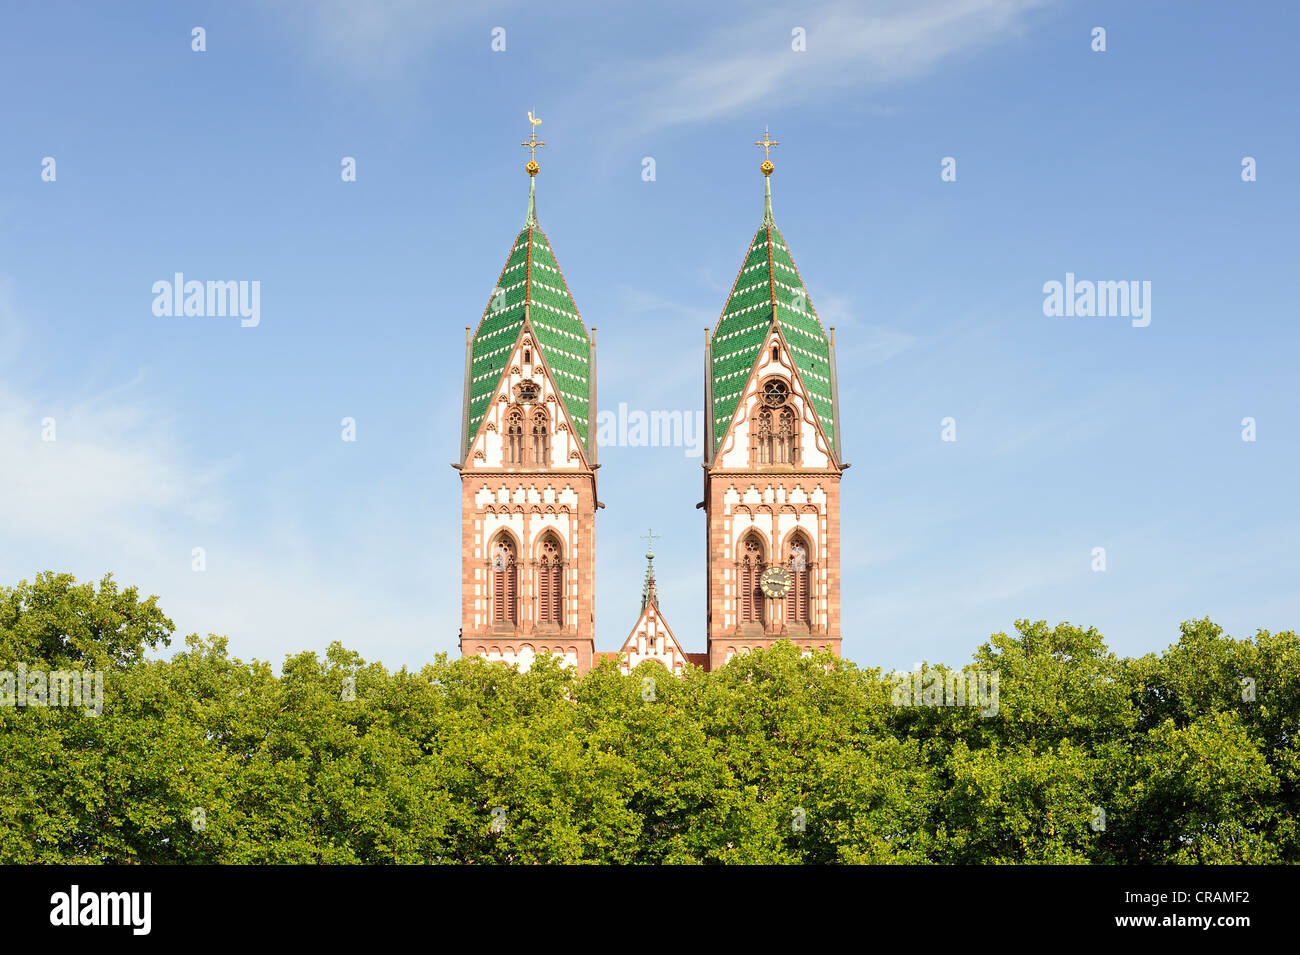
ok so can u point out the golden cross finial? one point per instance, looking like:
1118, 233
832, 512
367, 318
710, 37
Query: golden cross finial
767, 142
533, 144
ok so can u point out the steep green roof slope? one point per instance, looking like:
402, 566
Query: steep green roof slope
531, 284
769, 284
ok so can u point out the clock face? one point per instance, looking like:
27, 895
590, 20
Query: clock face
775, 582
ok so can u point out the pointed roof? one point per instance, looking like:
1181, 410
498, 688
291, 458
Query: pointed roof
648, 595
651, 622
511, 363
769, 289
531, 287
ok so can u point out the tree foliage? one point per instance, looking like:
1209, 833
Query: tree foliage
1188, 756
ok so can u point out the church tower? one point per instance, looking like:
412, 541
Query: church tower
528, 462
773, 458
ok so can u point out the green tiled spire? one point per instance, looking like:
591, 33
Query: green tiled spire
531, 285
769, 289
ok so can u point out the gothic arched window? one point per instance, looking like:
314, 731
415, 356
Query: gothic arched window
550, 582
514, 437
541, 439
764, 438
751, 572
505, 582
798, 602
785, 434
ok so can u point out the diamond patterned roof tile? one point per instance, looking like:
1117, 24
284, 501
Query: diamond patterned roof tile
769, 283
532, 284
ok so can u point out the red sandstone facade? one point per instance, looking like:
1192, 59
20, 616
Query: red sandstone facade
528, 504
771, 478
772, 500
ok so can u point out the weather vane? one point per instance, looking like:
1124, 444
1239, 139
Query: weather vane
533, 144
767, 142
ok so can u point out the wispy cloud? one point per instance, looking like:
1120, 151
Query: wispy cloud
116, 490
847, 45
378, 39
737, 54
92, 471
868, 344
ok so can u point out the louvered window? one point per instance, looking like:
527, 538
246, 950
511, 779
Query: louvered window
798, 602
550, 583
505, 582
751, 570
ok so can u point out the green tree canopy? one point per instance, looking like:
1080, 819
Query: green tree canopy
1183, 757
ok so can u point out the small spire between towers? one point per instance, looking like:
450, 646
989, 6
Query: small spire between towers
648, 594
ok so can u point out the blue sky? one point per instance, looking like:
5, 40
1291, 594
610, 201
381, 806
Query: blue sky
1072, 433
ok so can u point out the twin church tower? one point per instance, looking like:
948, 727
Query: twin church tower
528, 465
